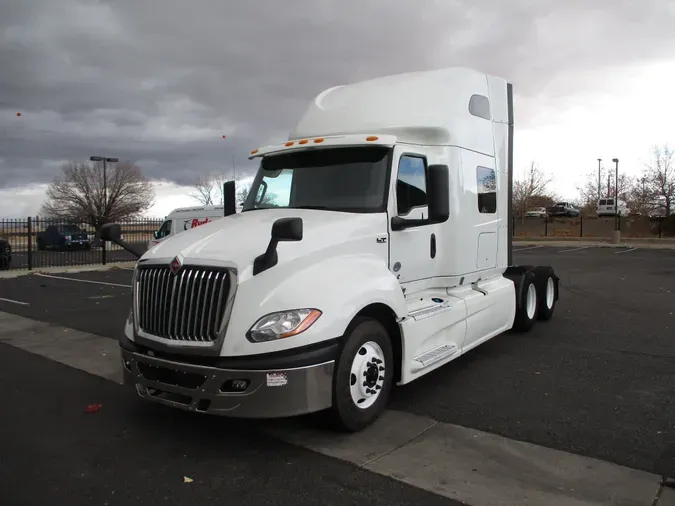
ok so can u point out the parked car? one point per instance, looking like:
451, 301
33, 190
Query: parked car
607, 207
63, 237
563, 209
536, 212
5, 254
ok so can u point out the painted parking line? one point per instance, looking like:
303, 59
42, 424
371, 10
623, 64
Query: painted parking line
574, 249
528, 247
625, 251
82, 280
12, 301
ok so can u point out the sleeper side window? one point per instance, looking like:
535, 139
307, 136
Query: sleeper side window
487, 190
411, 185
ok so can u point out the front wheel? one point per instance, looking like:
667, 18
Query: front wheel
363, 376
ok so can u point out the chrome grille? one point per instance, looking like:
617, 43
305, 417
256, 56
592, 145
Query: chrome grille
188, 306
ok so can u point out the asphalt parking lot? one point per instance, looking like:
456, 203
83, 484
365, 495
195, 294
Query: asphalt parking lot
598, 380
131, 453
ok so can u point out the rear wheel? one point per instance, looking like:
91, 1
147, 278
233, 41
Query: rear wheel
363, 376
547, 288
527, 306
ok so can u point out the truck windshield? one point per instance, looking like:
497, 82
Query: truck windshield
350, 179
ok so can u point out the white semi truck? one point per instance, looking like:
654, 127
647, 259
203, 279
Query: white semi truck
373, 248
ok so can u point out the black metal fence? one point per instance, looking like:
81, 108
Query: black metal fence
38, 242
591, 227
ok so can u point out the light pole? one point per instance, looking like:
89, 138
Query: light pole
599, 182
105, 160
105, 177
617, 222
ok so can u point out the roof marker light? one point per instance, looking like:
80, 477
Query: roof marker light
319, 140
289, 143
254, 151
371, 138
303, 141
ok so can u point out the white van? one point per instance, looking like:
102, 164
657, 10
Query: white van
185, 218
606, 207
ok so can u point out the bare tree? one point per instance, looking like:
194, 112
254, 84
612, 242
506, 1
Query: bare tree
660, 178
639, 197
532, 187
589, 192
78, 195
208, 190
242, 194
268, 199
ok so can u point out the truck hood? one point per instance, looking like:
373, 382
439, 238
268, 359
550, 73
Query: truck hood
238, 239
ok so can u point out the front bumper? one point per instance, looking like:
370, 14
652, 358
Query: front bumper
247, 392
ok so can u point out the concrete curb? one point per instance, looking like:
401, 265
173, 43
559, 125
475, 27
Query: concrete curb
67, 269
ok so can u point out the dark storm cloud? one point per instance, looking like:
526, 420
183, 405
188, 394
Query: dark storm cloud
159, 82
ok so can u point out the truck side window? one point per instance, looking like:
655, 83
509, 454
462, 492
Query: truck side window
164, 230
487, 190
411, 185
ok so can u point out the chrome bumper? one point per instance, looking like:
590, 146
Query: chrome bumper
230, 392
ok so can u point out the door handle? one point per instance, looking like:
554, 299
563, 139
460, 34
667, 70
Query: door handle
432, 246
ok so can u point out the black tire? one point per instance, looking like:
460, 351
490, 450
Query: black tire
547, 284
524, 322
345, 414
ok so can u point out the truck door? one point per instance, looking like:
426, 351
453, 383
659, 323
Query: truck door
412, 252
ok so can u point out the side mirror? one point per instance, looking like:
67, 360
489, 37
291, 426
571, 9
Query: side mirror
439, 193
284, 229
229, 198
111, 232
287, 229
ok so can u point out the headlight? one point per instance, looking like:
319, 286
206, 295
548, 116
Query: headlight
282, 324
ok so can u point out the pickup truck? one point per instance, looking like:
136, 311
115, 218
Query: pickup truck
63, 237
563, 209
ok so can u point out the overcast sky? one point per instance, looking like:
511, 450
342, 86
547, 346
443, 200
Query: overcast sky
160, 82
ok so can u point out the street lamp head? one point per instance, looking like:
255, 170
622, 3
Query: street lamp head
96, 158
615, 160
112, 160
